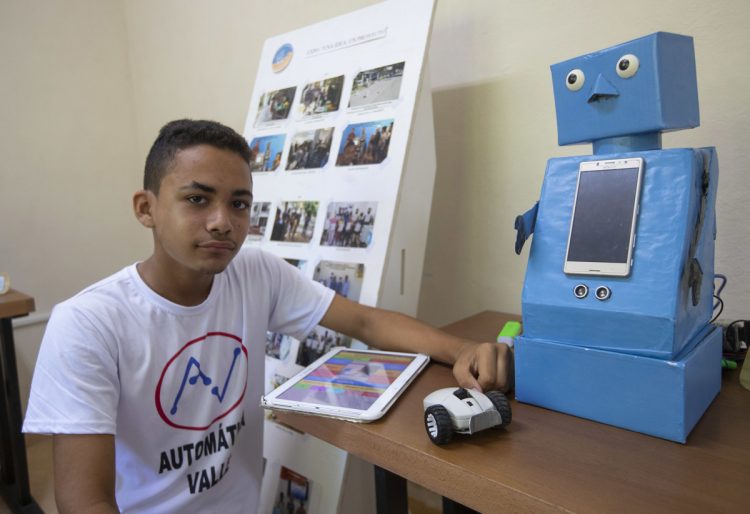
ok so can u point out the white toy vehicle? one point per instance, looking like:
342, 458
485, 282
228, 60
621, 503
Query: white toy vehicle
464, 411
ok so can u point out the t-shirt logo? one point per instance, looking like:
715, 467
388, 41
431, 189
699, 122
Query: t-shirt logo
203, 382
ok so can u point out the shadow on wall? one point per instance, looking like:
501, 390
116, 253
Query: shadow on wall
483, 180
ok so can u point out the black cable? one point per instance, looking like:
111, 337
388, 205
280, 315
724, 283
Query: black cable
723, 279
717, 294
721, 308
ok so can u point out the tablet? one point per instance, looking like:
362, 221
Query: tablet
355, 385
602, 228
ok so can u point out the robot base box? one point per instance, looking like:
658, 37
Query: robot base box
663, 398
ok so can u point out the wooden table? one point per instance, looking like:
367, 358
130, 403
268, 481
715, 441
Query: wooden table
14, 475
547, 461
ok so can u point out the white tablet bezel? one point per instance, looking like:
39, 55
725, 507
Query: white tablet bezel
616, 269
375, 411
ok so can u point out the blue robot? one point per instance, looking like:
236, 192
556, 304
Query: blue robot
618, 294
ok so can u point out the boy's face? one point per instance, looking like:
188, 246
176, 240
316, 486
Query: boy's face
201, 215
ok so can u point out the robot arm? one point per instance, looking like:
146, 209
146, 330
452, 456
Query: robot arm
524, 226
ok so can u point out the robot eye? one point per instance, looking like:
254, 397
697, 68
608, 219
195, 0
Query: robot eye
627, 66
575, 79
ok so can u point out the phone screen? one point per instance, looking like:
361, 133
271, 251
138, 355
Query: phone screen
603, 216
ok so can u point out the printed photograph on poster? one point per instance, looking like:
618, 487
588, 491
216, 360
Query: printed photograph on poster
279, 371
343, 277
300, 264
294, 222
259, 214
281, 375
266, 152
349, 224
275, 105
278, 345
318, 342
321, 97
365, 143
310, 149
377, 85
292, 493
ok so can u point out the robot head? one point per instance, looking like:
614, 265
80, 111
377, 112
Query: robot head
647, 85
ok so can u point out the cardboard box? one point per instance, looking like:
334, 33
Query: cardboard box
663, 398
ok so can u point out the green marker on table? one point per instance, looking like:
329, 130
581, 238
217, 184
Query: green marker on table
509, 332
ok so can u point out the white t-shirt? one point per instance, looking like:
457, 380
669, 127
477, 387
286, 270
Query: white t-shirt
179, 387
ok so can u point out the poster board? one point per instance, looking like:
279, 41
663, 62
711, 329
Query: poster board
329, 126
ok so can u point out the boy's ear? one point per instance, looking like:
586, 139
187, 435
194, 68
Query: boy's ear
143, 203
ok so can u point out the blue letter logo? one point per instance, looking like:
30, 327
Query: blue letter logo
203, 382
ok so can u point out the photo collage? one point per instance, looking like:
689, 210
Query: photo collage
295, 130
318, 103
346, 280
343, 122
337, 185
308, 148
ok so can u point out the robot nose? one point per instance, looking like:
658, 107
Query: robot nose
602, 90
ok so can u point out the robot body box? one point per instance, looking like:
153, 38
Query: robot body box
655, 311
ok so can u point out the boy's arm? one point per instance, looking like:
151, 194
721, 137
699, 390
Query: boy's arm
85, 473
484, 366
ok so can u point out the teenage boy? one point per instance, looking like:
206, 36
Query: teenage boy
149, 380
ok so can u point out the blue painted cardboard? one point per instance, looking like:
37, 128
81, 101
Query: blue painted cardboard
663, 398
650, 312
646, 359
661, 96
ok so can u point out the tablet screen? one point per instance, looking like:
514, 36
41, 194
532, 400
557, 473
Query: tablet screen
349, 379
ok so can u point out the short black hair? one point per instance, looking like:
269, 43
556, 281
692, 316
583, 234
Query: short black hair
180, 134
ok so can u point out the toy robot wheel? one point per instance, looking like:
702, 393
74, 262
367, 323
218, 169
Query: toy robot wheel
438, 423
501, 403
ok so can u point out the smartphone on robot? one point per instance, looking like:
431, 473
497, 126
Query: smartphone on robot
602, 229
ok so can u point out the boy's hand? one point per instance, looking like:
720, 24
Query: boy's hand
484, 366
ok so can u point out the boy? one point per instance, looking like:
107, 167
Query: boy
149, 380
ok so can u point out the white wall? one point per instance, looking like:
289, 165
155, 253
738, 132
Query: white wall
67, 141
199, 59
87, 84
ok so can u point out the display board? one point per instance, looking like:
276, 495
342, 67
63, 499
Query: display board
329, 127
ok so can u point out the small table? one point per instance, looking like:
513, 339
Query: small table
546, 461
14, 474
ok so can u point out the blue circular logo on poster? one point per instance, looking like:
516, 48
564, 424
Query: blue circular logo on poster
282, 58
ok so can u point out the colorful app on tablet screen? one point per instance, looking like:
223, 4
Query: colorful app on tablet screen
350, 379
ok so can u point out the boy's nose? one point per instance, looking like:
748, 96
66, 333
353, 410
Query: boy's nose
220, 221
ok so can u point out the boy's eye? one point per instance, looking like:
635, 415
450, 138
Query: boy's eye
195, 199
241, 204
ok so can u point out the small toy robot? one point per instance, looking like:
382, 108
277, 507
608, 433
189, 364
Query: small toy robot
463, 411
